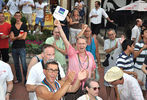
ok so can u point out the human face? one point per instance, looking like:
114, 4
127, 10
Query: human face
17, 16
111, 35
81, 45
87, 32
116, 82
2, 18
145, 36
51, 72
96, 5
76, 13
48, 53
93, 90
131, 48
56, 33
140, 22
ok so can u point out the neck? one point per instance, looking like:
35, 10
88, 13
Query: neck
91, 97
145, 41
127, 52
88, 40
82, 54
1, 23
18, 22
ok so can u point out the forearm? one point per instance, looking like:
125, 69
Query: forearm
75, 86
61, 50
81, 33
9, 86
110, 50
108, 19
31, 88
144, 68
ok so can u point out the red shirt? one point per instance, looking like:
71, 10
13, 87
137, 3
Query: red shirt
5, 29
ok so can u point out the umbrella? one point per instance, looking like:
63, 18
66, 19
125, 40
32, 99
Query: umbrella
136, 6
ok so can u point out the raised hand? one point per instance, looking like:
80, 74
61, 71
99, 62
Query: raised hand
83, 74
57, 23
122, 39
84, 26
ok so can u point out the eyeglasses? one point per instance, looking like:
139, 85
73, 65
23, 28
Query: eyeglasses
95, 88
110, 34
52, 70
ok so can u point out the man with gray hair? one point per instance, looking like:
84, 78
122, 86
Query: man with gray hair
128, 87
91, 88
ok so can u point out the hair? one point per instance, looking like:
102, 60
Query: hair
143, 31
50, 61
18, 12
137, 20
111, 30
98, 2
46, 46
87, 84
1, 13
82, 37
126, 42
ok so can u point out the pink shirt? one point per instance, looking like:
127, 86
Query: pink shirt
74, 64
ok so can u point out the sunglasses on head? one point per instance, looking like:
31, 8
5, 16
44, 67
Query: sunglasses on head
95, 88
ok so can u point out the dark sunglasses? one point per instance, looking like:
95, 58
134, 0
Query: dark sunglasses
95, 88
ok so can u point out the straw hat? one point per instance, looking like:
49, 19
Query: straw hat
113, 74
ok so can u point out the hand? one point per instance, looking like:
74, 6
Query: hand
145, 46
94, 15
112, 21
57, 23
7, 96
84, 26
134, 74
54, 44
122, 39
4, 36
76, 22
83, 74
20, 35
70, 77
116, 45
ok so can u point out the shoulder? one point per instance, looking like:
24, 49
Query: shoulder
37, 67
83, 97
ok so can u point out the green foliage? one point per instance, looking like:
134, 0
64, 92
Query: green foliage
13, 20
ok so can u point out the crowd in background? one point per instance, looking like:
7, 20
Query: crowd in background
48, 76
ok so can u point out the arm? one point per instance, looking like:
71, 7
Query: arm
19, 37
116, 92
71, 22
97, 52
82, 31
59, 49
44, 11
9, 89
111, 49
62, 34
137, 53
30, 88
144, 66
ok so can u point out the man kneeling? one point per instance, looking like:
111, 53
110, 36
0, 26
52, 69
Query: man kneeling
51, 89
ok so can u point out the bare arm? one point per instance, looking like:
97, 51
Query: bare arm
97, 52
109, 20
19, 37
31, 88
71, 22
144, 68
9, 89
137, 53
111, 49
82, 31
62, 34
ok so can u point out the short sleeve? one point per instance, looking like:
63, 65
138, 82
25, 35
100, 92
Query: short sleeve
104, 13
137, 47
8, 4
25, 27
106, 45
70, 51
134, 33
10, 75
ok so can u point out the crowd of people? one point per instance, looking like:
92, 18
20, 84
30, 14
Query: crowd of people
48, 76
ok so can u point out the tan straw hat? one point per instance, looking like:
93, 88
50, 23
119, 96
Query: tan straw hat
113, 74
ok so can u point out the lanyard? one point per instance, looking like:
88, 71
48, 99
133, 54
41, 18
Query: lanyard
81, 65
112, 52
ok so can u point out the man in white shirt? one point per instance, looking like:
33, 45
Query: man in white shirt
12, 5
40, 15
127, 86
136, 31
36, 75
6, 78
96, 18
27, 6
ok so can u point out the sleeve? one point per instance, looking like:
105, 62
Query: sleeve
76, 4
70, 51
90, 14
136, 90
10, 75
32, 2
32, 77
106, 45
25, 28
104, 13
137, 47
12, 29
134, 33
20, 2
120, 62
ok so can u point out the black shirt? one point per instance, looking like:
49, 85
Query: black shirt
18, 43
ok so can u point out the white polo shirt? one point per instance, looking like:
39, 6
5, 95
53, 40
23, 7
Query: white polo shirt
13, 6
136, 33
5, 75
40, 9
100, 12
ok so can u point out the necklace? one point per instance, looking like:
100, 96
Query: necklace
81, 64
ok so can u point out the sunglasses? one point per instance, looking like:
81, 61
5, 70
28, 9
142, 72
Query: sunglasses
95, 88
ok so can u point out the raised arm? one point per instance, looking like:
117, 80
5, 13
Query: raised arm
137, 53
62, 34
83, 30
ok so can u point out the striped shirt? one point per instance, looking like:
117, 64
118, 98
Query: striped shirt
140, 59
125, 62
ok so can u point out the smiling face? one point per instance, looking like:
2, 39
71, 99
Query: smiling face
87, 32
48, 53
81, 45
111, 35
2, 18
51, 72
18, 16
56, 33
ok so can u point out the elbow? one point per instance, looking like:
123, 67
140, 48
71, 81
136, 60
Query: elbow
28, 87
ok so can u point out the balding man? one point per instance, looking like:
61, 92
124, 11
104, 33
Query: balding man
136, 31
